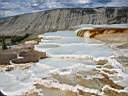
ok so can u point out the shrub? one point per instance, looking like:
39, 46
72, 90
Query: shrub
16, 39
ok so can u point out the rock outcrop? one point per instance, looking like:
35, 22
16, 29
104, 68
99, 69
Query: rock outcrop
61, 19
6, 57
99, 31
29, 56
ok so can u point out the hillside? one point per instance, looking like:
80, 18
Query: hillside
62, 19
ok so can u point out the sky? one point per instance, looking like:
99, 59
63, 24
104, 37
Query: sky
14, 7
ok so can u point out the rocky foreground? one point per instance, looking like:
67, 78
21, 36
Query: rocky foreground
77, 66
20, 54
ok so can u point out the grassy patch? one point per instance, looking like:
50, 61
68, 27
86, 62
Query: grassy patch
13, 40
31, 37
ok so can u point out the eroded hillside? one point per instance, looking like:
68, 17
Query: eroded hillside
61, 19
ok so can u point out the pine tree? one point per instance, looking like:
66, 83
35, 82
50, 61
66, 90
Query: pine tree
3, 42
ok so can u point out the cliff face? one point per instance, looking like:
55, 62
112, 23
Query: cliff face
61, 19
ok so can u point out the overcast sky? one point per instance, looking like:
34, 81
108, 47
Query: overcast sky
13, 7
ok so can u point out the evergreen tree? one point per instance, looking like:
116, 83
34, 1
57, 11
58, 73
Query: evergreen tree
3, 42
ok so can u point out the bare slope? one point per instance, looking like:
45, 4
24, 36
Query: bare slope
61, 19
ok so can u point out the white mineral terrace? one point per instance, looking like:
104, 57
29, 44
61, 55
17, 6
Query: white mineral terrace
70, 56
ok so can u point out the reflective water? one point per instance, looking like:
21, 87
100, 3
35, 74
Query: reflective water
67, 53
69, 44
